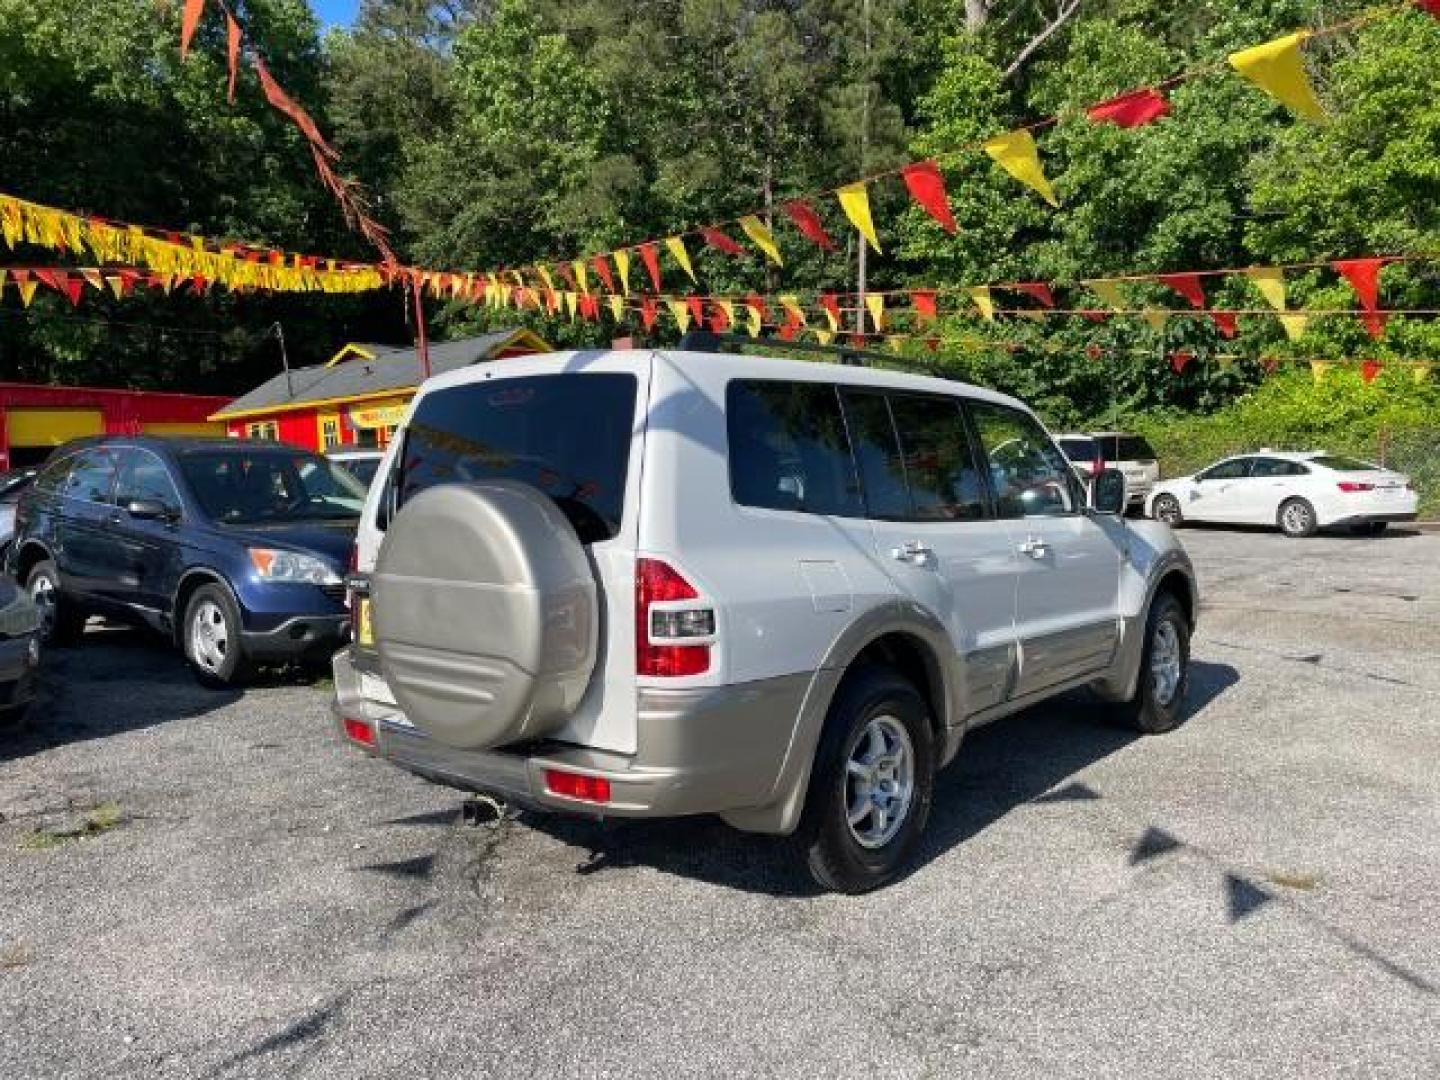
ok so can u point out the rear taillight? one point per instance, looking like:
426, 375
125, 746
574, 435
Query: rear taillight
657, 582
359, 732
1351, 486
575, 786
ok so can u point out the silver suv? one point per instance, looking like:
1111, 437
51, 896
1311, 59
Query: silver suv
641, 583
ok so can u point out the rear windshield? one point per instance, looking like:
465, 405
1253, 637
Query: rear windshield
1126, 448
1343, 464
240, 487
568, 435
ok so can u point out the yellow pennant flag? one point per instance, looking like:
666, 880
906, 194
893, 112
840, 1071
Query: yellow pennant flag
981, 295
855, 201
622, 263
761, 237
572, 300
1108, 292
1320, 368
1295, 324
94, 279
676, 245
1271, 283
1033, 314
117, 286
1016, 153
824, 337
582, 278
617, 307
753, 318
27, 290
544, 273
1156, 319
876, 303
791, 304
681, 311
1278, 68
727, 306
1225, 360
1421, 371
896, 342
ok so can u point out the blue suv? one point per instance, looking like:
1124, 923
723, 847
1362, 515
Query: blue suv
236, 549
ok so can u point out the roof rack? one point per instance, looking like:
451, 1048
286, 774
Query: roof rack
708, 341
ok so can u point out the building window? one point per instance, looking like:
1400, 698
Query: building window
263, 429
329, 431
384, 436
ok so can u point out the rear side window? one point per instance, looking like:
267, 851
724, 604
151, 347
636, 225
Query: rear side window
1127, 448
52, 476
788, 449
568, 435
1343, 464
1277, 467
940, 467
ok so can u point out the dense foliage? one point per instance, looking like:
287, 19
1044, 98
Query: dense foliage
503, 131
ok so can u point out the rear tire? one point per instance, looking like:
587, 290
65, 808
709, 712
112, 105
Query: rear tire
1166, 508
61, 622
1159, 700
872, 784
1296, 518
211, 638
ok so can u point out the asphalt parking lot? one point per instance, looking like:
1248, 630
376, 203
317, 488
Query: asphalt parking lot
210, 885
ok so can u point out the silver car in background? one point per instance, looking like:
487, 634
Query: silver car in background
1093, 451
12, 485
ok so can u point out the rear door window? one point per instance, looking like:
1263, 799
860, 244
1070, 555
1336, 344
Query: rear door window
92, 478
788, 449
877, 454
940, 470
1277, 467
568, 435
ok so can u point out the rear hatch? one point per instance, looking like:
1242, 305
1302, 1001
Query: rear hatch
574, 435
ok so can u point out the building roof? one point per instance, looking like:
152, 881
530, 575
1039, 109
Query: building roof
367, 371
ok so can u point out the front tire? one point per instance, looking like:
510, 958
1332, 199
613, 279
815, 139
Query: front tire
1166, 508
212, 638
1296, 518
872, 785
61, 622
1159, 699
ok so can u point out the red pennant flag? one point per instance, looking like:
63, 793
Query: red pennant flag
650, 255
282, 102
719, 320
1180, 360
1187, 285
831, 304
927, 187
1133, 109
1432, 6
923, 300
569, 275
1364, 277
756, 303
933, 344
602, 268
718, 240
1226, 321
74, 288
199, 284
1369, 369
1038, 289
1268, 364
857, 341
50, 278
808, 222
697, 309
552, 301
1093, 352
189, 21
232, 52
788, 331
1094, 315
590, 306
648, 309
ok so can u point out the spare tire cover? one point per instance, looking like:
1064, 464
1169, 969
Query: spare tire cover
485, 613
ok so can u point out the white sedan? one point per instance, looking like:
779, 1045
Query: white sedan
1299, 493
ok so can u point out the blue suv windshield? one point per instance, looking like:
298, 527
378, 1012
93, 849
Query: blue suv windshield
237, 487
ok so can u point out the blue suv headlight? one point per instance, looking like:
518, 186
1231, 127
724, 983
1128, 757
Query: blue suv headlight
273, 564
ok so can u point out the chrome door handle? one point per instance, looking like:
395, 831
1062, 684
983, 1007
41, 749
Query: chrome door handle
1035, 548
912, 551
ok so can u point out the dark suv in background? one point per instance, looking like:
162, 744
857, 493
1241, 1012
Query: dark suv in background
236, 549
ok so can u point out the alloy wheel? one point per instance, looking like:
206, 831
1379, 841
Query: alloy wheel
42, 595
879, 782
209, 636
1165, 663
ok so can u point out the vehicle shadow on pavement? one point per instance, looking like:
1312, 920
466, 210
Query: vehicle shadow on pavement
1021, 759
116, 679
1394, 532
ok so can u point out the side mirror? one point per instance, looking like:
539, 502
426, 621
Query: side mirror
148, 510
1107, 492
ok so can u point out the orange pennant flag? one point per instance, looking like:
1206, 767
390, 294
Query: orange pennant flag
189, 21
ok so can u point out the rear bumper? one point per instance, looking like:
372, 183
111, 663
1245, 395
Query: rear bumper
699, 751
1373, 518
